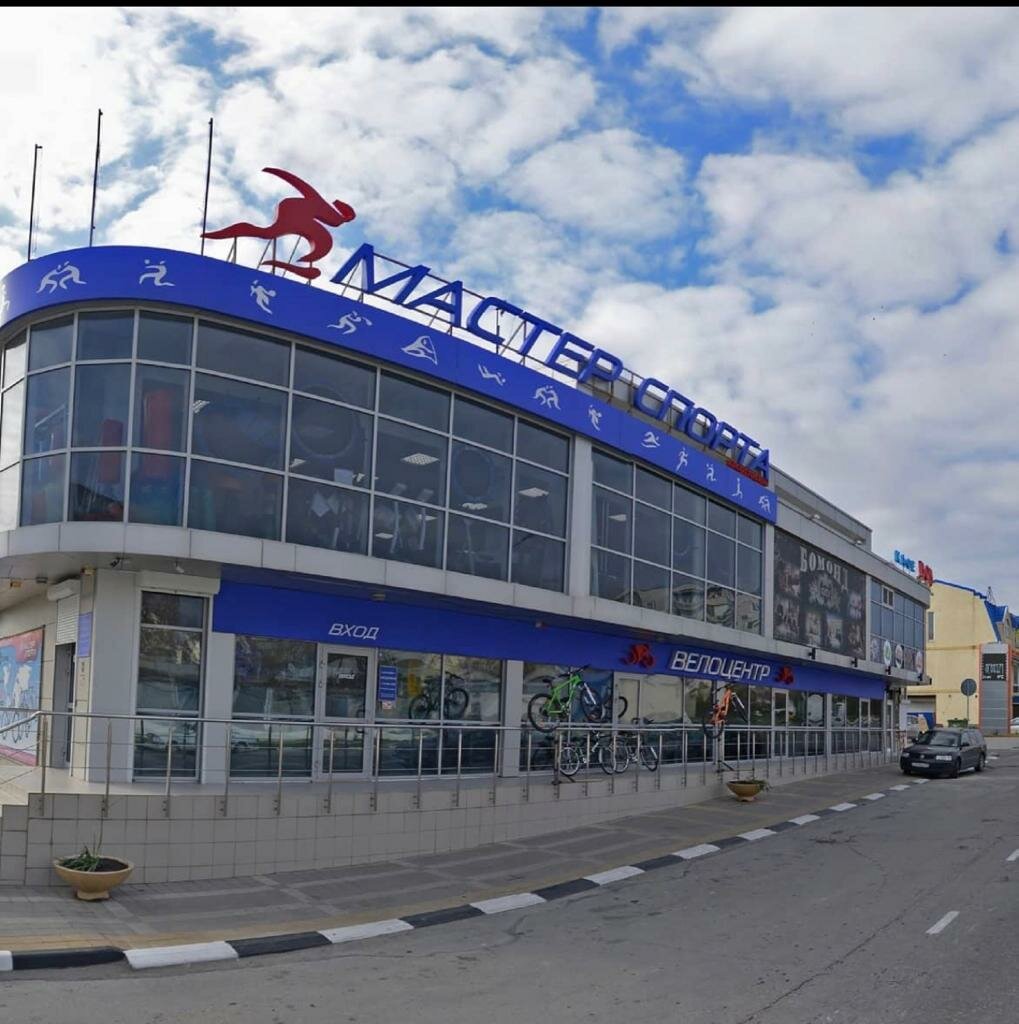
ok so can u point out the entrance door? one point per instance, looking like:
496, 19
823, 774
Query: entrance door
345, 696
63, 700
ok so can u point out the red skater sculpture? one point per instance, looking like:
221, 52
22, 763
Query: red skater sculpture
306, 216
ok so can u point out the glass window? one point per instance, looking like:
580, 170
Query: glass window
411, 463
108, 335
42, 490
652, 534
51, 343
720, 606
612, 472
346, 686
661, 699
721, 519
610, 576
169, 670
160, 406
172, 610
653, 489
164, 338
611, 522
538, 561
10, 424
540, 501
46, 412
651, 587
750, 532
815, 709
327, 517
417, 403
238, 422
748, 569
797, 707
330, 442
687, 504
329, 376
748, 613
256, 749
477, 548
760, 705
542, 446
10, 483
97, 487
407, 533
480, 482
418, 678
687, 597
483, 425
157, 489
241, 353
14, 360
699, 699
721, 562
688, 548
481, 680
101, 403
274, 677
232, 500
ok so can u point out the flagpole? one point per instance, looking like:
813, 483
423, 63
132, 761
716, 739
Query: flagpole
31, 207
95, 178
208, 174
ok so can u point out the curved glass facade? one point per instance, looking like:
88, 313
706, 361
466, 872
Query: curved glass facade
152, 417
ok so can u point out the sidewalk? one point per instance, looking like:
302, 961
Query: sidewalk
190, 912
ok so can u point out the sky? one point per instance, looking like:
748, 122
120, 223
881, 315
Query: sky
807, 219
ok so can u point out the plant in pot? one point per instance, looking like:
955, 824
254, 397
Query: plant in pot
91, 874
746, 789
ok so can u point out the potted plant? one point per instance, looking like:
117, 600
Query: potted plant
92, 874
746, 790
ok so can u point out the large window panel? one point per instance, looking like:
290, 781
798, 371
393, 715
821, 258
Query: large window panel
611, 520
651, 586
407, 533
653, 489
163, 338
106, 335
538, 561
157, 489
748, 613
160, 408
169, 670
481, 680
242, 354
330, 442
46, 411
238, 422
479, 482
721, 563
652, 539
748, 569
542, 446
720, 606
477, 548
97, 487
687, 597
15, 357
101, 404
486, 426
418, 403
42, 490
10, 485
339, 380
721, 519
418, 683
233, 500
172, 610
10, 424
612, 472
327, 517
50, 343
540, 500
687, 504
688, 548
411, 463
610, 576
274, 677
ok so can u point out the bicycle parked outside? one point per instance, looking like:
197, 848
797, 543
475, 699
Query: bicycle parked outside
640, 745
555, 706
607, 751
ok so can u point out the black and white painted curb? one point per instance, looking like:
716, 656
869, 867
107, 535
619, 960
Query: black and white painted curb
234, 949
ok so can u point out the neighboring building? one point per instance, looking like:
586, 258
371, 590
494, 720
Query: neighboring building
969, 637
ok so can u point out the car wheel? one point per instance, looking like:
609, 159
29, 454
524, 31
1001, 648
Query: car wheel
906, 771
954, 773
980, 763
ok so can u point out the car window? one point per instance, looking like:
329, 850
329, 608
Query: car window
939, 738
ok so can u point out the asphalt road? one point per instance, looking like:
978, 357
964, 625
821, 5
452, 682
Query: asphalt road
837, 921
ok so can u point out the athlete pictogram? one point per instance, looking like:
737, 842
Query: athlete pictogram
309, 217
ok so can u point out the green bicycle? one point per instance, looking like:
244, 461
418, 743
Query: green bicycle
547, 710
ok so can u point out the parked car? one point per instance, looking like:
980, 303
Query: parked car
1014, 727
945, 752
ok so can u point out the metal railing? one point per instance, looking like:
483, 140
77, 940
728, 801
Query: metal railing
171, 754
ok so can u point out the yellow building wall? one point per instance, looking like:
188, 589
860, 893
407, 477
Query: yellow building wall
961, 625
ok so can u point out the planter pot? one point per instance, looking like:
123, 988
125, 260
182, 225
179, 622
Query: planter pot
96, 885
745, 790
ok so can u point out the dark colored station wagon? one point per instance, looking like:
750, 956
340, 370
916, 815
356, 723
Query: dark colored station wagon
945, 752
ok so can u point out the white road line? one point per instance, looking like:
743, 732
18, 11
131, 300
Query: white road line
754, 834
992, 757
874, 796
1014, 855
514, 902
943, 923
6, 960
615, 875
842, 807
899, 788
920, 782
171, 956
366, 931
805, 819
693, 852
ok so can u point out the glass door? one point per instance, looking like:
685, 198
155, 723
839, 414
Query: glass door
342, 703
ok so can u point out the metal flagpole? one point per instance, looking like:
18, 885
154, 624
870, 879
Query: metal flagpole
208, 174
95, 178
31, 207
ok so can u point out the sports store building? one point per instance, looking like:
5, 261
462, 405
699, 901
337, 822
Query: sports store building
254, 529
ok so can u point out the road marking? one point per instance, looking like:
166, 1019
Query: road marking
874, 796
842, 807
1014, 855
754, 834
943, 923
366, 931
693, 852
992, 757
172, 956
920, 782
6, 960
805, 819
902, 786
615, 875
514, 902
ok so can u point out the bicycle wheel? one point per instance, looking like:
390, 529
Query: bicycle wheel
711, 730
649, 756
569, 760
623, 705
538, 714
592, 708
455, 702
420, 706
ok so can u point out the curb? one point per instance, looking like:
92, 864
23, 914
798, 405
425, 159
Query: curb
235, 949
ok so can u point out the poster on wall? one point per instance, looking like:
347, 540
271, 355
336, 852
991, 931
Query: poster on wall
819, 601
20, 675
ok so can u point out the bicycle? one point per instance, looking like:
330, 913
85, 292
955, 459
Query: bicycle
606, 750
715, 719
454, 699
551, 708
638, 748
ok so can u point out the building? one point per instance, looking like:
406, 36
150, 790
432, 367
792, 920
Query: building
969, 637
256, 530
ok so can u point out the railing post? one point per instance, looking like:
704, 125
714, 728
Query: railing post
684, 750
704, 758
493, 793
224, 804
109, 752
421, 754
636, 764
459, 764
169, 769
557, 762
278, 803
329, 788
43, 758
376, 762
587, 761
527, 767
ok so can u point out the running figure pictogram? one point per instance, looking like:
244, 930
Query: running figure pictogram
309, 216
